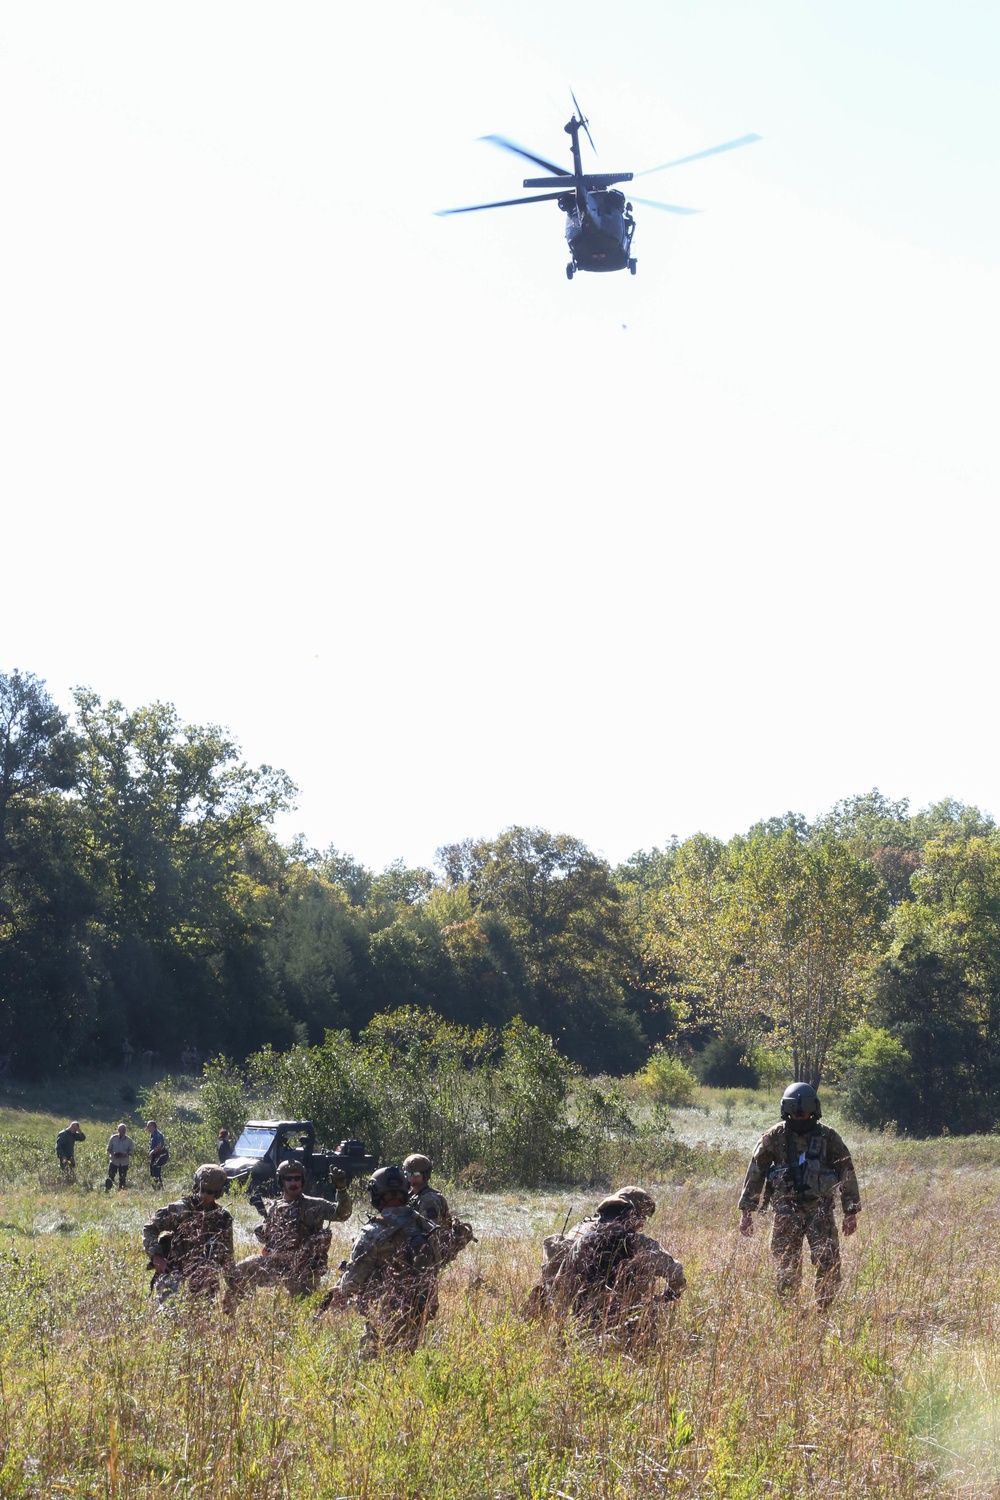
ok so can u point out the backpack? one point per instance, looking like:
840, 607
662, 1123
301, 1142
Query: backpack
597, 1255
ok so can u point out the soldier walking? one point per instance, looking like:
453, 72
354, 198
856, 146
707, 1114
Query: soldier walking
799, 1166
296, 1243
190, 1242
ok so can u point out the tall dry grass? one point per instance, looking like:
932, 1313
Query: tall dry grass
894, 1394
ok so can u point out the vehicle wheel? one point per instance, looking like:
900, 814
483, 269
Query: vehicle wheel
631, 267
570, 270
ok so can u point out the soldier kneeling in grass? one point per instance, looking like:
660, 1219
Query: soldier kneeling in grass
799, 1166
296, 1243
190, 1242
393, 1267
605, 1270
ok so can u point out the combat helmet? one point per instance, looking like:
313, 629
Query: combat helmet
642, 1202
800, 1099
210, 1179
385, 1182
289, 1169
417, 1162
614, 1207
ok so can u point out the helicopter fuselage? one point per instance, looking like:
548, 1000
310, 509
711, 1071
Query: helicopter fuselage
599, 235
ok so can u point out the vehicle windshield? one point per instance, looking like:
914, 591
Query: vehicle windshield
254, 1142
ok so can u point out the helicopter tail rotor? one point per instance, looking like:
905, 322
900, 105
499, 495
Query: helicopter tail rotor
583, 121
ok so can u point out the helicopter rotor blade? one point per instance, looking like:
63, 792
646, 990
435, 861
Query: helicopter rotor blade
744, 140
583, 121
668, 208
540, 161
474, 208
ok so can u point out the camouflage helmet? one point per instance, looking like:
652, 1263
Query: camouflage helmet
614, 1207
290, 1169
385, 1182
800, 1099
210, 1179
417, 1162
643, 1202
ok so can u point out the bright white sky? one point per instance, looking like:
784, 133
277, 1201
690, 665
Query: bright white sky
455, 541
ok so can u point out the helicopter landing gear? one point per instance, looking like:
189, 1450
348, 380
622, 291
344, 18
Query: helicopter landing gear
570, 271
631, 267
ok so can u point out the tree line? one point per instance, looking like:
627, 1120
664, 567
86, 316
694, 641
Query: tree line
145, 901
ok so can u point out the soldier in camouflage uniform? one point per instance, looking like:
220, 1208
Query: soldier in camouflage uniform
190, 1242
604, 1271
425, 1199
392, 1270
296, 1244
799, 1166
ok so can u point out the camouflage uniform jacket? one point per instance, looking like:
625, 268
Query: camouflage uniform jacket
206, 1233
432, 1204
647, 1256
388, 1246
823, 1165
288, 1223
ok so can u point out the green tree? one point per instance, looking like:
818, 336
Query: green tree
776, 935
562, 908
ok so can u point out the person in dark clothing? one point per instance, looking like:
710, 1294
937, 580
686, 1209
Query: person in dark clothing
65, 1143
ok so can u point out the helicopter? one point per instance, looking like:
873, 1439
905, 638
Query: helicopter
599, 219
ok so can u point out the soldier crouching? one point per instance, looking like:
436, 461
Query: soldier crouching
296, 1244
799, 1166
190, 1242
604, 1271
392, 1269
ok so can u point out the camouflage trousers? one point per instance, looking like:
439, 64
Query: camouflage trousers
201, 1278
817, 1227
397, 1313
299, 1269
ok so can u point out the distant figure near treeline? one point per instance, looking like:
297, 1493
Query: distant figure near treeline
65, 1144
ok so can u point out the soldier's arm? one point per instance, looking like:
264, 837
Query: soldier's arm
840, 1161
321, 1209
165, 1218
760, 1164
227, 1238
659, 1262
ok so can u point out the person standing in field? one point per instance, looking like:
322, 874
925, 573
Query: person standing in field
121, 1149
158, 1153
65, 1144
223, 1146
799, 1166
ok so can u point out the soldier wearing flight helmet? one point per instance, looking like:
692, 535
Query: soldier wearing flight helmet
799, 1166
392, 1269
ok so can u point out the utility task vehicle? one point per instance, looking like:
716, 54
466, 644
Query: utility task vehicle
264, 1144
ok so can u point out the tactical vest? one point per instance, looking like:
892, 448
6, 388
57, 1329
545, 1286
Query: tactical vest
200, 1236
804, 1180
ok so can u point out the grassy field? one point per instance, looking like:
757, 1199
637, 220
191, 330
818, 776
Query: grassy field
893, 1394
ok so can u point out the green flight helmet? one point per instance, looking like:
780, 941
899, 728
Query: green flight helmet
800, 1099
386, 1182
290, 1169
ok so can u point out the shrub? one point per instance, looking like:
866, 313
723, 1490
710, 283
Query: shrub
723, 1064
876, 1078
665, 1080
